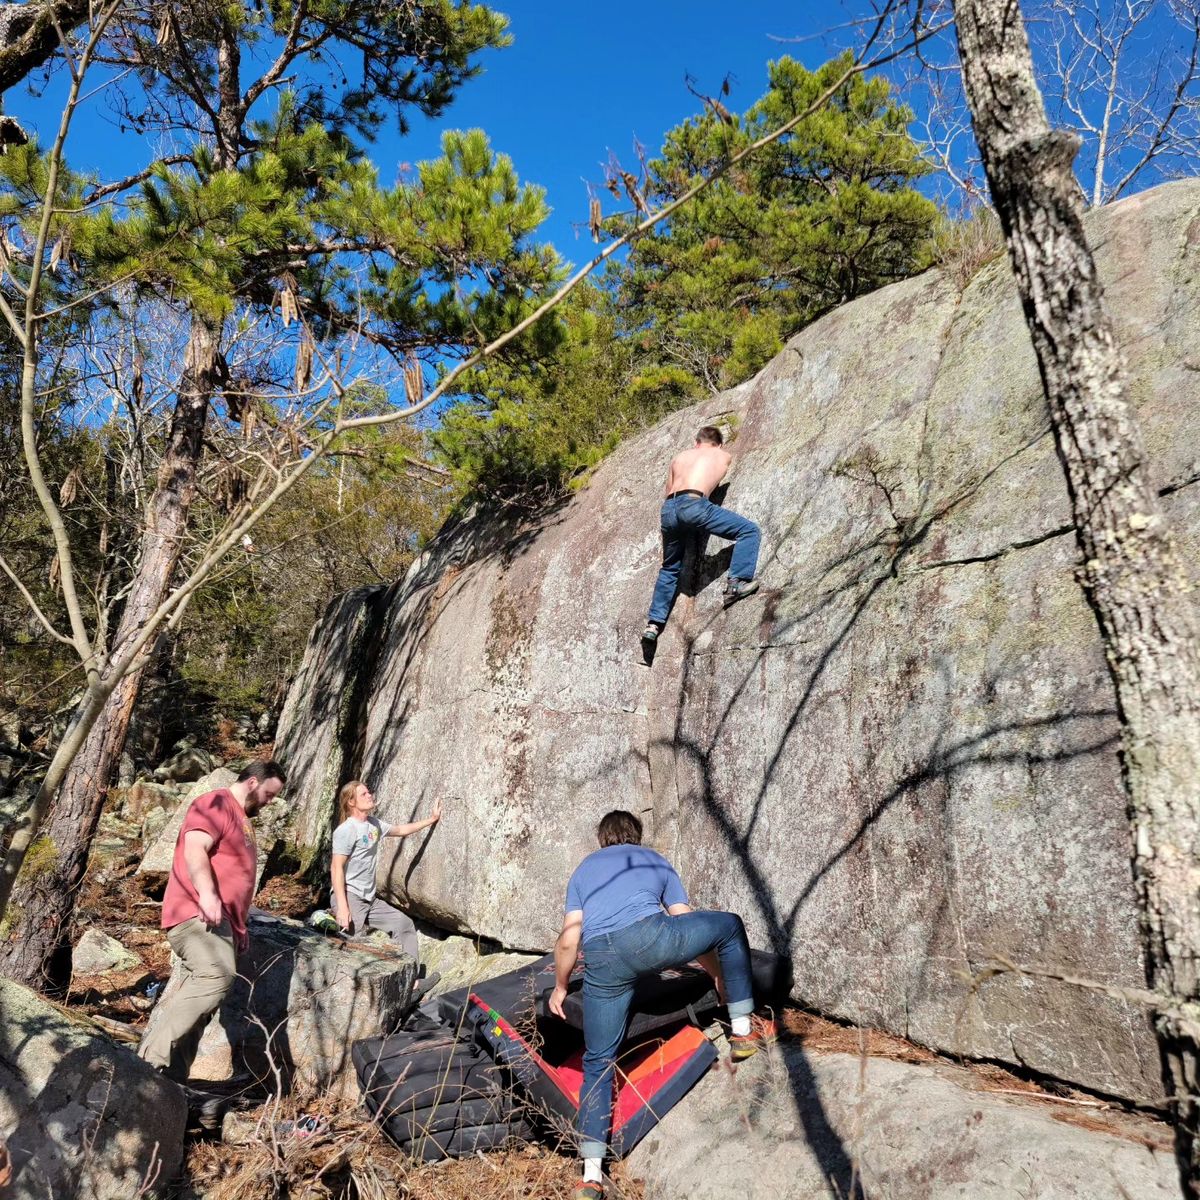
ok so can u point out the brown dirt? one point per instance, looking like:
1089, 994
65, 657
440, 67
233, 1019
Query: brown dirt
288, 896
818, 1034
229, 748
356, 1162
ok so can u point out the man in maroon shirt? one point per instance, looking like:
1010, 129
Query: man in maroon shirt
204, 911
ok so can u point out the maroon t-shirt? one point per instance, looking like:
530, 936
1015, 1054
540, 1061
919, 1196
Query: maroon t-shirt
234, 859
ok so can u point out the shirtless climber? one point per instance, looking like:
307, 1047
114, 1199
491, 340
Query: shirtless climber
688, 511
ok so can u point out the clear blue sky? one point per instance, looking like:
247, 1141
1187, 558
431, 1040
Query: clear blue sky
578, 80
581, 79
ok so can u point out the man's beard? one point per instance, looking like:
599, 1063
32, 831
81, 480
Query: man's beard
252, 805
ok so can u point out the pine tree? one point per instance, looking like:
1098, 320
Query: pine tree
274, 213
823, 215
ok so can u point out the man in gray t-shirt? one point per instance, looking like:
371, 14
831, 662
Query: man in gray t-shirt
356, 843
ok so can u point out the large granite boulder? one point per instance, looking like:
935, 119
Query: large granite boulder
82, 1118
897, 760
300, 1001
461, 962
321, 723
835, 1126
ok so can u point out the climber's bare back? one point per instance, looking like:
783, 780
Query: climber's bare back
699, 469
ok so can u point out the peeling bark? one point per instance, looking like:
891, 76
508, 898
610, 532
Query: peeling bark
1132, 572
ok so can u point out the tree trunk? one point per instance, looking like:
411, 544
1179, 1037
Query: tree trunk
1132, 573
36, 951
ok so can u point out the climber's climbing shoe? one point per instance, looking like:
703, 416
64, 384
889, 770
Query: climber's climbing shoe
738, 589
585, 1190
651, 632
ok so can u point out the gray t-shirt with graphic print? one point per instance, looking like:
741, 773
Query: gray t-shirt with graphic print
360, 840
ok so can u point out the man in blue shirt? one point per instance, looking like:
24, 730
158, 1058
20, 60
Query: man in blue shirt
628, 909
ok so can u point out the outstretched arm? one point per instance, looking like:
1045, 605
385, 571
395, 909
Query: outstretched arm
566, 955
410, 827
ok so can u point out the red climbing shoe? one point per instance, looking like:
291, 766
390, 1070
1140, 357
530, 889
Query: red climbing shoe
585, 1190
743, 1046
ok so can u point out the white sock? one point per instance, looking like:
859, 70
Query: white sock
741, 1025
591, 1170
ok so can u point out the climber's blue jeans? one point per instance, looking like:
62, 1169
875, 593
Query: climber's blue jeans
682, 518
612, 963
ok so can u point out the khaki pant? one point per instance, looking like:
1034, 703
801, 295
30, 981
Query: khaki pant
207, 966
378, 914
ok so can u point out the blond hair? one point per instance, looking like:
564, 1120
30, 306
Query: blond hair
346, 796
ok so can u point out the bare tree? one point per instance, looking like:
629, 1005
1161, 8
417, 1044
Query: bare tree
1123, 75
1132, 572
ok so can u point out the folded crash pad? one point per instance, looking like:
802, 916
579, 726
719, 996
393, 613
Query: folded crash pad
653, 1074
437, 1095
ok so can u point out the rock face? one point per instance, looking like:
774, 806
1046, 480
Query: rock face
897, 760
313, 996
835, 1126
321, 722
82, 1118
460, 962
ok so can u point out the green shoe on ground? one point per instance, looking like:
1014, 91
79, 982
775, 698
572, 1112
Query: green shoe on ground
589, 1191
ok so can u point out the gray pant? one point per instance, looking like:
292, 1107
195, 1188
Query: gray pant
207, 967
378, 914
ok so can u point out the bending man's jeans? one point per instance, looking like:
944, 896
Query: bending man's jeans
682, 518
612, 963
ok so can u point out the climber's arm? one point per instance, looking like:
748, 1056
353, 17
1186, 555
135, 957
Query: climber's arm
410, 827
566, 954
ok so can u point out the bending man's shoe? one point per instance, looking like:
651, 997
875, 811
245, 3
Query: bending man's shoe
744, 1046
584, 1190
